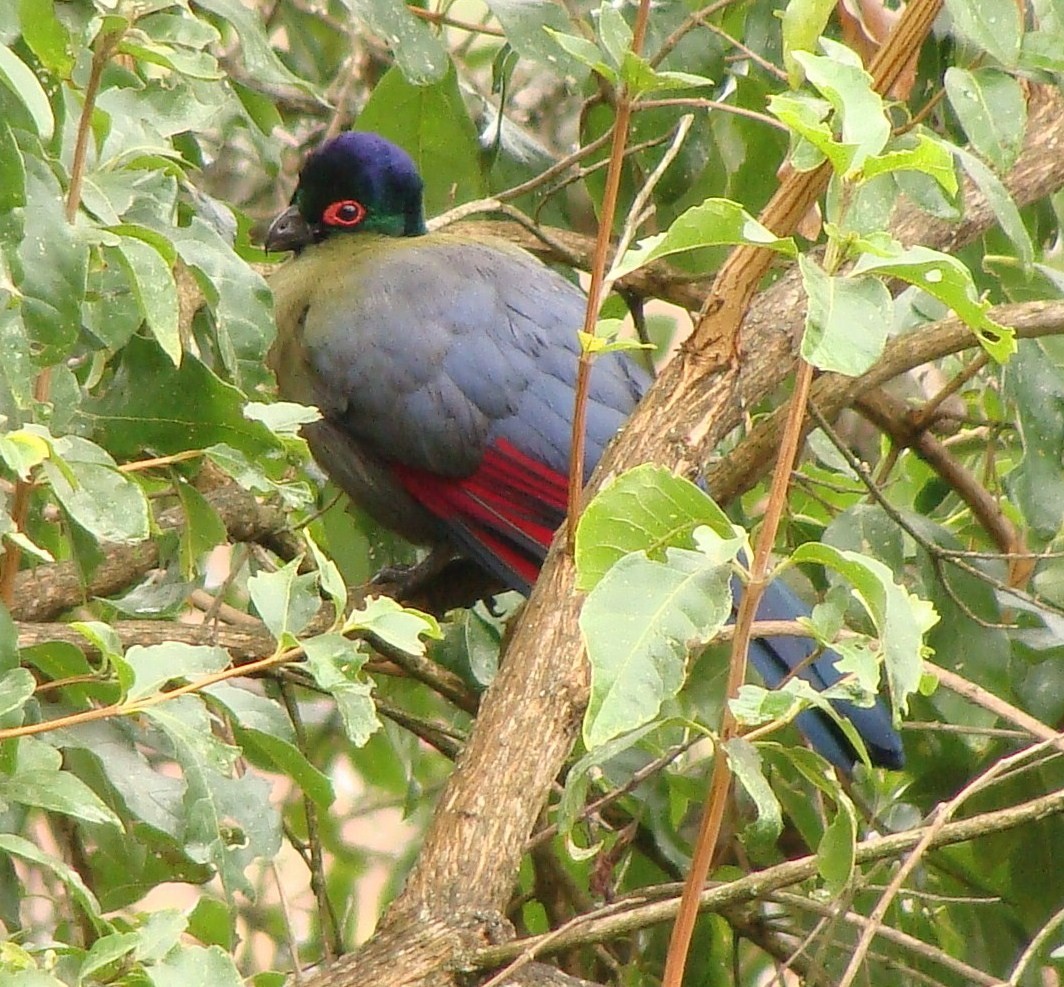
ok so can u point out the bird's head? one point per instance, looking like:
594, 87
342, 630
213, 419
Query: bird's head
356, 182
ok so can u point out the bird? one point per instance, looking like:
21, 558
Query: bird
444, 368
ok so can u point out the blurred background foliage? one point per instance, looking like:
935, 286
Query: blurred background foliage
157, 500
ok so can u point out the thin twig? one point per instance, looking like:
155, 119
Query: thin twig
972, 974
1035, 945
658, 905
938, 823
447, 21
720, 784
701, 103
621, 122
642, 199
996, 705
331, 937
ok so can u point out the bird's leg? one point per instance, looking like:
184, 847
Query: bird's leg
407, 579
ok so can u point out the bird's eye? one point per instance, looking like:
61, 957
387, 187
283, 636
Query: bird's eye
346, 212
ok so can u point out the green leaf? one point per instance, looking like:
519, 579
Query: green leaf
16, 688
9, 649
39, 781
585, 52
211, 923
53, 266
336, 665
260, 60
158, 933
605, 338
929, 155
286, 600
264, 731
646, 509
841, 79
285, 758
86, 481
713, 222
107, 950
148, 795
836, 306
229, 821
203, 528
755, 705
329, 577
432, 125
1040, 51
151, 404
193, 64
640, 77
1034, 382
761, 834
1001, 203
993, 25
947, 279
24, 448
806, 117
640, 624
155, 290
46, 36
578, 777
614, 34
237, 295
154, 665
992, 110
13, 188
16, 846
530, 26
11, 534
836, 852
31, 978
187, 965
19, 78
281, 417
401, 627
102, 637
179, 29
250, 475
803, 21
901, 619
261, 110
418, 52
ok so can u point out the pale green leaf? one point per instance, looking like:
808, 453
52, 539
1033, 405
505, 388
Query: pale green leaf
640, 624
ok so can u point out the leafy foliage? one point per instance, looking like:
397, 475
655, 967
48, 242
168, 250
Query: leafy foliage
164, 532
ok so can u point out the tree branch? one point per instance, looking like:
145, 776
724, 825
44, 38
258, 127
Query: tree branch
47, 591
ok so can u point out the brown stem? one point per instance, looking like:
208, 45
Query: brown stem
42, 386
105, 48
598, 279
716, 800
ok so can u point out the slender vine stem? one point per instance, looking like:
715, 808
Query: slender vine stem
598, 277
42, 386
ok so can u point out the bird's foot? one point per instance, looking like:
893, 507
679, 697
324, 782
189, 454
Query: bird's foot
406, 580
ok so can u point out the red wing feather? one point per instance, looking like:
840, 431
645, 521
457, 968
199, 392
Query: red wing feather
505, 513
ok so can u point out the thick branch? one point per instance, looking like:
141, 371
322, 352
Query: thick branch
47, 591
833, 392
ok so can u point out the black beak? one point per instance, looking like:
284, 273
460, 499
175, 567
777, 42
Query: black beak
289, 231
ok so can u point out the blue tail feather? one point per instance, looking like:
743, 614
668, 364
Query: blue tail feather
775, 658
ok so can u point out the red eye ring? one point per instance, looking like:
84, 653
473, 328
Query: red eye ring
345, 212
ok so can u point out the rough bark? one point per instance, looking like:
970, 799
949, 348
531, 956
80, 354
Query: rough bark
47, 591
